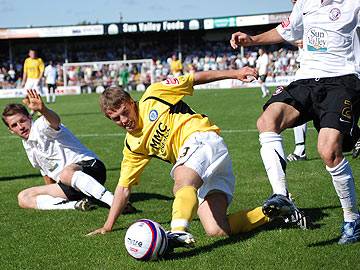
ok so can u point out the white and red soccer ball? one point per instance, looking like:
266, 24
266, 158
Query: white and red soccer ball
146, 240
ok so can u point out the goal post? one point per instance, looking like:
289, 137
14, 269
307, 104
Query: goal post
92, 76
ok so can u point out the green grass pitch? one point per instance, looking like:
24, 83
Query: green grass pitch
32, 239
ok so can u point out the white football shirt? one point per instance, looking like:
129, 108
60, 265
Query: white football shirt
50, 74
262, 64
51, 150
328, 30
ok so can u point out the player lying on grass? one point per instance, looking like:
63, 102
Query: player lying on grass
161, 125
72, 172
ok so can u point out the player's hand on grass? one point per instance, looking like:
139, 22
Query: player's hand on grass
102, 230
247, 74
240, 39
33, 101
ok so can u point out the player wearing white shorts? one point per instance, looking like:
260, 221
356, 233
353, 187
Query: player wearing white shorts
33, 71
161, 125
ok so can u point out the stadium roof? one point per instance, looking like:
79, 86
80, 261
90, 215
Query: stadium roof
137, 27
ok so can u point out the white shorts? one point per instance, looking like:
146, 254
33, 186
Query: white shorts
207, 154
33, 84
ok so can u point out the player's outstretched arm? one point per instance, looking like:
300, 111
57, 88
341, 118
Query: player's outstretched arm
241, 39
121, 198
34, 102
245, 74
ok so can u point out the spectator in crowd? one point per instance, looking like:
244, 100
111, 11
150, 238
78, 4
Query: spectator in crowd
213, 55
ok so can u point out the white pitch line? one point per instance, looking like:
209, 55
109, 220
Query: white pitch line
123, 134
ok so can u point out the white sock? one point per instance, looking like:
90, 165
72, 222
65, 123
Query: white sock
47, 97
343, 182
47, 202
273, 156
266, 89
89, 186
263, 89
300, 137
53, 96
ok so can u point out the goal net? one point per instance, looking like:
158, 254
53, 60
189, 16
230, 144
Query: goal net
96, 76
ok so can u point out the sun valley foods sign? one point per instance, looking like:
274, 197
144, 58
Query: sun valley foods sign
138, 27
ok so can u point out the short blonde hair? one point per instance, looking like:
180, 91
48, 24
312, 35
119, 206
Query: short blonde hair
112, 98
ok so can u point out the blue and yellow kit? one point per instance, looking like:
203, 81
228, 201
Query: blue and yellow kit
166, 123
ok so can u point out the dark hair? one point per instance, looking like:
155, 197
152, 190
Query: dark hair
12, 109
112, 98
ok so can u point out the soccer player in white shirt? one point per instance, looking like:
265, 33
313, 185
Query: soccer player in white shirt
61, 158
262, 64
326, 90
50, 75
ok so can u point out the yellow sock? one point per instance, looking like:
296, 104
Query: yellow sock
247, 220
184, 208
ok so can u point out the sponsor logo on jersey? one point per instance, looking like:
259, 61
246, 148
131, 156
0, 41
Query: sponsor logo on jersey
335, 14
285, 23
317, 40
171, 81
153, 115
158, 141
278, 90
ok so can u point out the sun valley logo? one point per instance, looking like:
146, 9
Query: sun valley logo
158, 141
317, 40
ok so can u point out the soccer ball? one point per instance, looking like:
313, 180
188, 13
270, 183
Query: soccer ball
146, 240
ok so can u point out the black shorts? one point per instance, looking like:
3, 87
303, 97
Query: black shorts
328, 102
94, 168
53, 86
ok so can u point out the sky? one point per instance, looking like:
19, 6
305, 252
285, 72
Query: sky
25, 13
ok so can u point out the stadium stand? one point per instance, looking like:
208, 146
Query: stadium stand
199, 50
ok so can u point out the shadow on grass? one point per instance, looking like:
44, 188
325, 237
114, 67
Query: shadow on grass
16, 177
217, 244
325, 243
314, 214
142, 196
135, 197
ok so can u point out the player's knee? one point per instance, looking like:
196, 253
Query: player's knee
67, 174
266, 123
260, 124
23, 199
329, 156
214, 231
